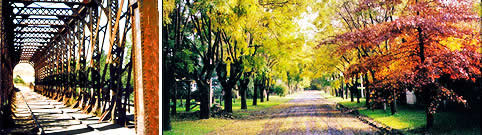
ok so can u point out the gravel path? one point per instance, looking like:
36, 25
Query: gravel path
308, 113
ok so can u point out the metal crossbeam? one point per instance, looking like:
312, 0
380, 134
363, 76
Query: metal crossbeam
44, 38
38, 21
62, 12
37, 25
36, 29
34, 40
34, 35
36, 32
56, 1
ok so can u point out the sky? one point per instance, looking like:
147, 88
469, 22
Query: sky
25, 71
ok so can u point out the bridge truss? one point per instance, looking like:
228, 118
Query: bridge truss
90, 54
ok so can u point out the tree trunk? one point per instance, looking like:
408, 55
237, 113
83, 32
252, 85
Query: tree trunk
255, 94
261, 93
430, 118
242, 91
341, 91
393, 106
351, 93
367, 92
267, 89
174, 99
243, 98
228, 99
346, 90
267, 95
166, 122
204, 98
221, 99
188, 99
357, 91
180, 101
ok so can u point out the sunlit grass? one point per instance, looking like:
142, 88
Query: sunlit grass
412, 120
354, 104
406, 118
273, 101
196, 127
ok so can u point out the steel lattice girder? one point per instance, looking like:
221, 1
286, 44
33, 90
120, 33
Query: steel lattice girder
38, 21
63, 12
36, 32
56, 1
36, 29
34, 35
31, 38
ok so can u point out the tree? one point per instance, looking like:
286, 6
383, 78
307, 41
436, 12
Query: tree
413, 50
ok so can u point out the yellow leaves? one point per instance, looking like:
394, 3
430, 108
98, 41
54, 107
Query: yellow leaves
452, 43
167, 7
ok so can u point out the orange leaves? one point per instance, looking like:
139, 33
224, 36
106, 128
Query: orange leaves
447, 31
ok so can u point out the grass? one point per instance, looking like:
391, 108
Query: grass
273, 101
196, 126
412, 120
407, 118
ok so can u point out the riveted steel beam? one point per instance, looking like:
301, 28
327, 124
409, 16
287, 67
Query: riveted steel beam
55, 1
145, 31
29, 11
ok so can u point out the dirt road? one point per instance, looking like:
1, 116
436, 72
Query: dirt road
307, 113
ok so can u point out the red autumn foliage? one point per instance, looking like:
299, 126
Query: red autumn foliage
415, 56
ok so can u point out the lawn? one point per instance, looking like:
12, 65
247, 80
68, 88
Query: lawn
411, 119
273, 101
196, 126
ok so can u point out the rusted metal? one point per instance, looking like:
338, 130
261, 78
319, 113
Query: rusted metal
146, 60
67, 54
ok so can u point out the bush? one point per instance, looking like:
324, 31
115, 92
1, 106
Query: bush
280, 90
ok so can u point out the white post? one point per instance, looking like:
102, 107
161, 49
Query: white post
210, 92
362, 88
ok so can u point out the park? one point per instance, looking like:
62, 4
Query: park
321, 67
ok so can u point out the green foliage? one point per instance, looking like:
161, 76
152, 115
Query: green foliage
319, 83
280, 89
18, 80
354, 105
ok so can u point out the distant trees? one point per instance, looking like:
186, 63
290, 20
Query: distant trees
18, 80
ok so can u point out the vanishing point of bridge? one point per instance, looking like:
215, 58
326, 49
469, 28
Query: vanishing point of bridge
90, 55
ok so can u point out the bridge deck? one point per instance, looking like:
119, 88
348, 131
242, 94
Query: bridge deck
56, 118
